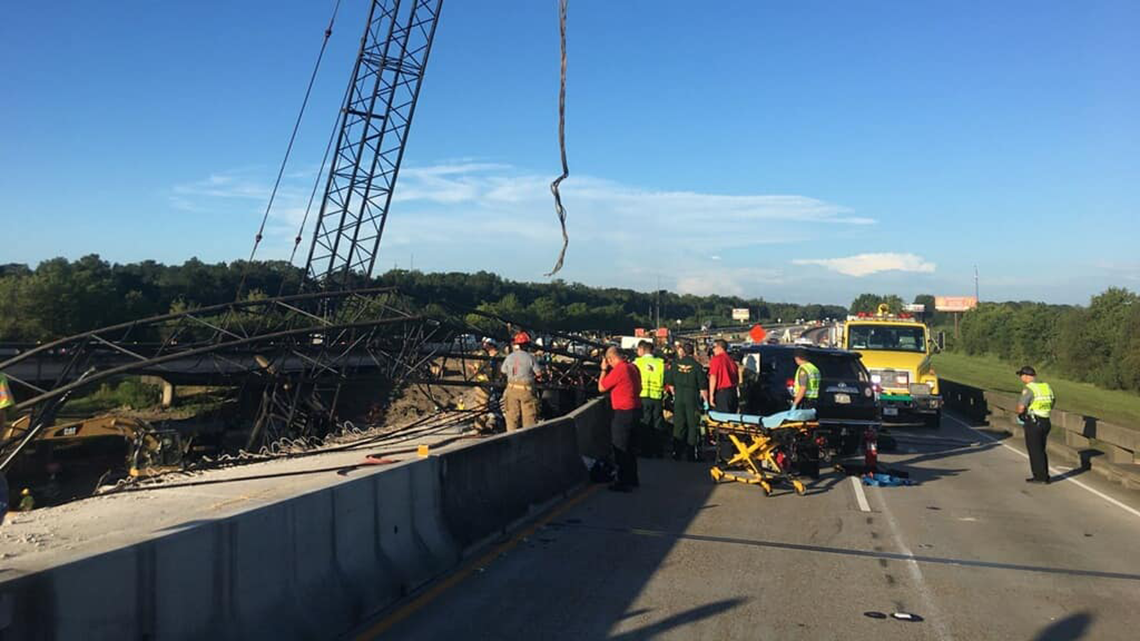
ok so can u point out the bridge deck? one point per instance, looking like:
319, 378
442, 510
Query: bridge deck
994, 558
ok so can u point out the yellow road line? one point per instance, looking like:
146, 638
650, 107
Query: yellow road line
460, 575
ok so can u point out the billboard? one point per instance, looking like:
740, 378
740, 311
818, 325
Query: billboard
955, 303
740, 313
916, 308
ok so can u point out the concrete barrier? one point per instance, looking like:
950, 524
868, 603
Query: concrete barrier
315, 565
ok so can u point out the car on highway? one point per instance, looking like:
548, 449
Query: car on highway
847, 405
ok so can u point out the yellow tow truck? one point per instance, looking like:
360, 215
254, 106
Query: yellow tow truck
897, 350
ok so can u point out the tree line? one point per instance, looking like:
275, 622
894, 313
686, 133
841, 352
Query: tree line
60, 297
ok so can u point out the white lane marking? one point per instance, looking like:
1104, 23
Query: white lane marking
931, 614
1056, 471
860, 497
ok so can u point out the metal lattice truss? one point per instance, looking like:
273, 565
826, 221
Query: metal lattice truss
378, 112
295, 351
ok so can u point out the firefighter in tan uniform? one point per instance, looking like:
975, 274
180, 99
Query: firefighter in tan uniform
522, 370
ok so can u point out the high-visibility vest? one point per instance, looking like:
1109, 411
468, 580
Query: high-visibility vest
652, 371
812, 390
1042, 403
6, 399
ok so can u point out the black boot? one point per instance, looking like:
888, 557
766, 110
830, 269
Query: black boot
678, 449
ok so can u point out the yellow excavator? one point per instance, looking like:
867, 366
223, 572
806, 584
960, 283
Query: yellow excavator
148, 451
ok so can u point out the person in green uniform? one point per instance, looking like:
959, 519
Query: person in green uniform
687, 379
653, 428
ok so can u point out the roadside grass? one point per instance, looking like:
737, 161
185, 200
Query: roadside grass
1114, 406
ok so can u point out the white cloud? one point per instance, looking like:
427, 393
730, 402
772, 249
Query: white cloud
743, 281
467, 214
866, 264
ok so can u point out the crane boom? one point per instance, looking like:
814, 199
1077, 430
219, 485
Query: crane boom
374, 123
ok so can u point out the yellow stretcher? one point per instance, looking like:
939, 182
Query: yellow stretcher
763, 455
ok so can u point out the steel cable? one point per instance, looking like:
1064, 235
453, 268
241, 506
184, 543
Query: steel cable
289, 148
558, 208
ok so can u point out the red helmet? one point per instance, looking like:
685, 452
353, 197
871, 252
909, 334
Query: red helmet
522, 338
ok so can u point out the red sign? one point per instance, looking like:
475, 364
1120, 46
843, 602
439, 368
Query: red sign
662, 332
639, 331
757, 334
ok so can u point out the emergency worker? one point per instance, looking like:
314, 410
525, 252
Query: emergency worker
522, 370
487, 395
1034, 407
724, 376
687, 379
6, 401
652, 370
805, 385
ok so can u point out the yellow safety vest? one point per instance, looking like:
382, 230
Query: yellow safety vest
1042, 403
812, 390
6, 399
652, 371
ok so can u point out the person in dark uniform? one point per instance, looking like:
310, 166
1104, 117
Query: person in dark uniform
1034, 407
687, 379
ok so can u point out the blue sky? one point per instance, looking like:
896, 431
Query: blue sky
804, 151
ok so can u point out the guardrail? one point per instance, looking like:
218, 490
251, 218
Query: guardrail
1120, 444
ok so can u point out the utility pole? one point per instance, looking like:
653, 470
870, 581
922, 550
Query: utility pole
976, 296
658, 302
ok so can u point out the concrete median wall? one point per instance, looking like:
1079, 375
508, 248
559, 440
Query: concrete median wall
313, 566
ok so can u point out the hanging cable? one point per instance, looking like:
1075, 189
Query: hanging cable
558, 208
317, 180
289, 148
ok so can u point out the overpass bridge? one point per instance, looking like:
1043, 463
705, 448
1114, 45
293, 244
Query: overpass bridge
503, 538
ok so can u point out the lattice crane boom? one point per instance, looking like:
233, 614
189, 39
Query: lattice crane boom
374, 123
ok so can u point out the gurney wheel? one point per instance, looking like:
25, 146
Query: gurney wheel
767, 488
716, 474
799, 486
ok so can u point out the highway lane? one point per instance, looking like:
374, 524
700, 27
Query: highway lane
972, 549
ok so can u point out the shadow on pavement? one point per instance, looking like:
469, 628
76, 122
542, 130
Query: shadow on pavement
577, 578
681, 618
1070, 628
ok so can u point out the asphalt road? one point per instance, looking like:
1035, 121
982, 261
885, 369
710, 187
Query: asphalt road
972, 549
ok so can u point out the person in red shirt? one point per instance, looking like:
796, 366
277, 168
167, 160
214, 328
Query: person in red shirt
724, 376
622, 380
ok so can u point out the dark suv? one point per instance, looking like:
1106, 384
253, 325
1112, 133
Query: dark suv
846, 406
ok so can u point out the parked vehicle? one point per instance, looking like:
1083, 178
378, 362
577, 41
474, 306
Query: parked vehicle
897, 352
847, 409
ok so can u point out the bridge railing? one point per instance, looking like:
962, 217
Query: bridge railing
1088, 434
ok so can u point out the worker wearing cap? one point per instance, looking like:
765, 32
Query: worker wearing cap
487, 393
1034, 407
805, 385
521, 369
686, 378
652, 370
